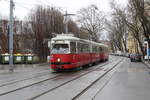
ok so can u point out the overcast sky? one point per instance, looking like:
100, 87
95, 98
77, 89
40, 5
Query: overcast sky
23, 7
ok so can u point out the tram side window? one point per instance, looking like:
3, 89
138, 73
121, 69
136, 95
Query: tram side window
82, 48
85, 48
79, 48
88, 48
94, 49
101, 49
97, 49
73, 47
104, 49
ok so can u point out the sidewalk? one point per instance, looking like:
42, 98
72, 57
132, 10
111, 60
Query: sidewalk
147, 63
130, 82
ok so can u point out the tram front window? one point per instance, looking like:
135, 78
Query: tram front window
60, 49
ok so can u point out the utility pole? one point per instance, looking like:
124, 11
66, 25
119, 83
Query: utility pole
66, 21
11, 21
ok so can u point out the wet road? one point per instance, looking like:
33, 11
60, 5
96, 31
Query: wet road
36, 83
130, 82
117, 79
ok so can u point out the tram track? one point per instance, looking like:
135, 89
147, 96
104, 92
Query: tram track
27, 77
20, 76
33, 98
110, 72
8, 74
13, 76
51, 92
12, 81
52, 78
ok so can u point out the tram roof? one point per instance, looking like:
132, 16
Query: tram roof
65, 37
71, 37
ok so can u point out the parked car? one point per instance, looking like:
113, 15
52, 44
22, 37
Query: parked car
135, 57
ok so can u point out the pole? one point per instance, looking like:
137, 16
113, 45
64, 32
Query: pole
66, 21
66, 26
11, 19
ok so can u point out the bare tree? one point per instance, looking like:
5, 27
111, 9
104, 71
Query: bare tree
117, 28
3, 36
137, 21
115, 37
140, 8
135, 17
27, 38
44, 21
3, 43
72, 26
92, 20
40, 26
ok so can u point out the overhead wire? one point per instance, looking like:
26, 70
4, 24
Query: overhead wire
39, 2
48, 4
16, 2
21, 5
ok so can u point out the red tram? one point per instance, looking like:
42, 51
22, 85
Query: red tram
69, 52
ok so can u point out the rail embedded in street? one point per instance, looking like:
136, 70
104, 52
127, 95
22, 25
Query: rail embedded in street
28, 86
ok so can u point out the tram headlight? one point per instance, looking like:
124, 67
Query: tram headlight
58, 60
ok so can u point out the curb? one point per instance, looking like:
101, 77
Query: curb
16, 66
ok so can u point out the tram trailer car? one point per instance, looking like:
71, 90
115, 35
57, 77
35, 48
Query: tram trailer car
68, 52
